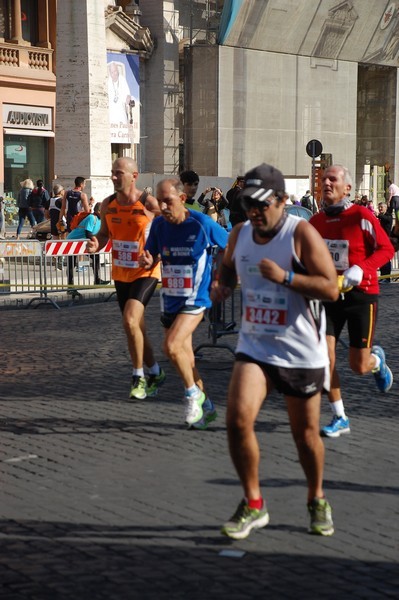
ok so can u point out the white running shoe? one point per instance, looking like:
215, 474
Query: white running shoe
194, 402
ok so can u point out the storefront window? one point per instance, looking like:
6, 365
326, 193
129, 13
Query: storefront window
25, 156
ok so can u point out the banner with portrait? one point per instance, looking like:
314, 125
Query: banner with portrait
124, 98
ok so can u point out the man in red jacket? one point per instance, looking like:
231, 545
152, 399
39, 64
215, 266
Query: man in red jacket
358, 246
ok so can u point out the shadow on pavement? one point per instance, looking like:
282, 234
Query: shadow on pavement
59, 560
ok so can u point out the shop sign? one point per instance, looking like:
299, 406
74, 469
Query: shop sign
16, 249
19, 116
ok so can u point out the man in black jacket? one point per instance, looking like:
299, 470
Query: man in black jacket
38, 201
237, 213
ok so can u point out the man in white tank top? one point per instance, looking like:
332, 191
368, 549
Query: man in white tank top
285, 270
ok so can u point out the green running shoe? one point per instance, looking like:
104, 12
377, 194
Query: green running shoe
209, 414
154, 382
244, 520
138, 390
321, 522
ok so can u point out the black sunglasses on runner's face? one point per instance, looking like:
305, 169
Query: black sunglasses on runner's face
247, 203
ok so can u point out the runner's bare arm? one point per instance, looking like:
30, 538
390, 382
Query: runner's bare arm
63, 208
320, 281
148, 260
151, 204
85, 202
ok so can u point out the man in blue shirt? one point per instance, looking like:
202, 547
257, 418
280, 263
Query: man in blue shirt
87, 228
183, 240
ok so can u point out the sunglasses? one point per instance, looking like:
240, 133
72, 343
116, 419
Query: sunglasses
248, 203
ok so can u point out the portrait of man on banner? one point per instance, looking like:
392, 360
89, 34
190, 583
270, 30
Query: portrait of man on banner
124, 98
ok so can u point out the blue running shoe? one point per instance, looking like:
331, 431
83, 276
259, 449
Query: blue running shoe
337, 426
209, 414
383, 377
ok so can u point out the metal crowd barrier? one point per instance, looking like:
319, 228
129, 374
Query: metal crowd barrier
36, 270
223, 316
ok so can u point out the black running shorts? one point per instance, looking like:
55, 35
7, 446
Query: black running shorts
359, 311
140, 289
299, 383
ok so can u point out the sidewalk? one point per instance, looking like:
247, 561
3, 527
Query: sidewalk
106, 498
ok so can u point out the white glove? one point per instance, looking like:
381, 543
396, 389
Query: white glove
352, 276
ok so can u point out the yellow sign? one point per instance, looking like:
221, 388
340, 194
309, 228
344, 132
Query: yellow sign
16, 249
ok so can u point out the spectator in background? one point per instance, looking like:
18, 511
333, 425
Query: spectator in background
2, 220
385, 220
87, 229
309, 202
74, 201
393, 199
24, 210
370, 206
237, 213
216, 207
294, 200
38, 200
190, 181
364, 200
58, 231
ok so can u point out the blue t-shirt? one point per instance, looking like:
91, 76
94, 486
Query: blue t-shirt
186, 254
91, 223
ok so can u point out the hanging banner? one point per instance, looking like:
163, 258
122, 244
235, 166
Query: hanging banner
124, 98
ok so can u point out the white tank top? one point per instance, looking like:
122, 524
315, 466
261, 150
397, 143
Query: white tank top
279, 326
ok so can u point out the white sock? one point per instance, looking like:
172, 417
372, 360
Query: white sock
377, 363
337, 408
138, 372
154, 370
191, 390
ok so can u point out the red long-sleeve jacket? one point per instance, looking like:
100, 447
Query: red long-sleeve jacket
355, 237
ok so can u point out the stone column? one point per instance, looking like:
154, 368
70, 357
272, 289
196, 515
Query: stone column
16, 23
82, 136
44, 24
160, 97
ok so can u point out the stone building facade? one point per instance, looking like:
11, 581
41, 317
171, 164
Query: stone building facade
223, 84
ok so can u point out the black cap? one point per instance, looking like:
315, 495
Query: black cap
262, 181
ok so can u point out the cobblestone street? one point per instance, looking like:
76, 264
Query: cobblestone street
106, 498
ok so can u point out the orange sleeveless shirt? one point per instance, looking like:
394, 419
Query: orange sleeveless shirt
128, 228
